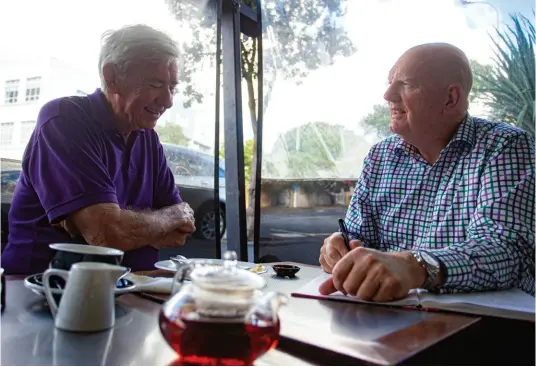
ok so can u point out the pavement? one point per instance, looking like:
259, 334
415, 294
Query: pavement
289, 234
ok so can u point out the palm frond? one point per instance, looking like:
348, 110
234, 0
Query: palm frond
508, 90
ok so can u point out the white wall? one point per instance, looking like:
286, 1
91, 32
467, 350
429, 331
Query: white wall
58, 79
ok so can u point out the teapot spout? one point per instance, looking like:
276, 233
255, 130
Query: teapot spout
269, 304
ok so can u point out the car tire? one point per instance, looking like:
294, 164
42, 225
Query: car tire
204, 222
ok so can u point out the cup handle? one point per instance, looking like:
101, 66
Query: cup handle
46, 286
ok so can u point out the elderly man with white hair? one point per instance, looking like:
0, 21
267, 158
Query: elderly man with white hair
94, 167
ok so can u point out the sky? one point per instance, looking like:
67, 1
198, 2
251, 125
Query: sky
342, 93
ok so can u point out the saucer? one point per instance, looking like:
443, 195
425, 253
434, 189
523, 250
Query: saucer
35, 284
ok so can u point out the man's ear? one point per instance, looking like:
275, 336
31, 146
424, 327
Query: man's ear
454, 97
110, 78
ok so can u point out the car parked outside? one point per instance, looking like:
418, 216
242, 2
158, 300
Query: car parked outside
193, 172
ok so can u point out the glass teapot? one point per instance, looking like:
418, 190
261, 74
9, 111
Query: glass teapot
221, 317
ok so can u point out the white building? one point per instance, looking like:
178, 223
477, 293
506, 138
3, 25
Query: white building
25, 85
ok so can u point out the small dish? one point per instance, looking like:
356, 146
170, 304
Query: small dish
284, 271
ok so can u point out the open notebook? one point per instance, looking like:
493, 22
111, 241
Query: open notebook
512, 303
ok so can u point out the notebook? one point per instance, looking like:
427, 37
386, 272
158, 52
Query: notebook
511, 303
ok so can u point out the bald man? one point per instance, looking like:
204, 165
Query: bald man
446, 204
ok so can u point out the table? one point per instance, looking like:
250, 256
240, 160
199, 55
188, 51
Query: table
29, 336
312, 331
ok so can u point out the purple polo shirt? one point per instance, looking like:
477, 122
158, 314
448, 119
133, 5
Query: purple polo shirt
77, 158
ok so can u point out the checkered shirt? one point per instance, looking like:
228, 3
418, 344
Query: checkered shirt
473, 208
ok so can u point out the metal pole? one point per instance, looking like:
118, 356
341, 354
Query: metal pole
258, 165
217, 213
234, 145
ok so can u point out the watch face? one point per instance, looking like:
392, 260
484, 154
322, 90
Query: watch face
429, 259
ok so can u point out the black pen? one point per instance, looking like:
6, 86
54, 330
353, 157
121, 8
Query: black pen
344, 232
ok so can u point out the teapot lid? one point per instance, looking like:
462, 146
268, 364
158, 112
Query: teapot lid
226, 277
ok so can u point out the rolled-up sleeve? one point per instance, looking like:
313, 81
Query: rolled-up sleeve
499, 248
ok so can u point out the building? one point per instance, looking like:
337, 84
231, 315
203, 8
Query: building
25, 85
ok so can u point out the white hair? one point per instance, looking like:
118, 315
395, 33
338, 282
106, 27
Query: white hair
135, 43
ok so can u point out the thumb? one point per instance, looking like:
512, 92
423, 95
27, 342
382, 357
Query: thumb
355, 244
327, 287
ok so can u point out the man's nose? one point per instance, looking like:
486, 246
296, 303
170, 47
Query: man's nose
166, 98
391, 94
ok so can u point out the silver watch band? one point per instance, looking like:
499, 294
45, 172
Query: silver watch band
431, 270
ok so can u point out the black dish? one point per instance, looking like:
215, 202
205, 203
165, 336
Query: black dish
286, 270
67, 254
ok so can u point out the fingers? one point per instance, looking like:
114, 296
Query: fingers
327, 287
367, 290
388, 291
336, 248
355, 244
323, 262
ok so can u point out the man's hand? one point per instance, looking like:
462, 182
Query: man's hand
333, 250
69, 226
177, 237
374, 275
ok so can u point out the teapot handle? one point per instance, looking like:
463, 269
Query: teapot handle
46, 286
180, 277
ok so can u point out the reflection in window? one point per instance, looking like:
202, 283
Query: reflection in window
12, 91
27, 128
33, 88
6, 133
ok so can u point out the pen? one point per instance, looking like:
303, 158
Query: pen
344, 232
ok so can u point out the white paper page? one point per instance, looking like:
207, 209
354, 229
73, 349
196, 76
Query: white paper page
511, 299
311, 289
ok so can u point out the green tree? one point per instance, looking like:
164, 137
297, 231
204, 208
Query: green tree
248, 155
171, 133
508, 90
314, 147
304, 35
378, 121
479, 72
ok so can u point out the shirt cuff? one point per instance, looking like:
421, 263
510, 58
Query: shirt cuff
457, 270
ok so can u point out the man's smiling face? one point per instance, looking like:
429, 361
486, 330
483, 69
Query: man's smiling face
415, 96
147, 92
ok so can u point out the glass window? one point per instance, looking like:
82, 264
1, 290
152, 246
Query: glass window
11, 91
27, 128
33, 88
6, 133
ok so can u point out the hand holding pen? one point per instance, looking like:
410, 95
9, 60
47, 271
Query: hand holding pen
336, 247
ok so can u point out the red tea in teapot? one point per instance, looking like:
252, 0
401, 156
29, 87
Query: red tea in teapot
205, 341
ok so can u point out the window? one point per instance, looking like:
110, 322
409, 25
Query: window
12, 91
27, 128
6, 133
33, 88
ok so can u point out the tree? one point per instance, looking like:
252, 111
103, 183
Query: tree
479, 70
378, 121
303, 35
248, 155
507, 88
314, 147
171, 133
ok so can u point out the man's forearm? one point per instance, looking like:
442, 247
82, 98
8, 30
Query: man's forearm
107, 225
142, 228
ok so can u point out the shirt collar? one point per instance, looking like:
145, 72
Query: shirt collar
102, 113
465, 136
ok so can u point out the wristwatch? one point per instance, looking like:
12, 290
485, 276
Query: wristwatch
430, 264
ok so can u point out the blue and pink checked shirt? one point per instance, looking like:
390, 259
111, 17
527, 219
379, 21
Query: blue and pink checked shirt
473, 208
